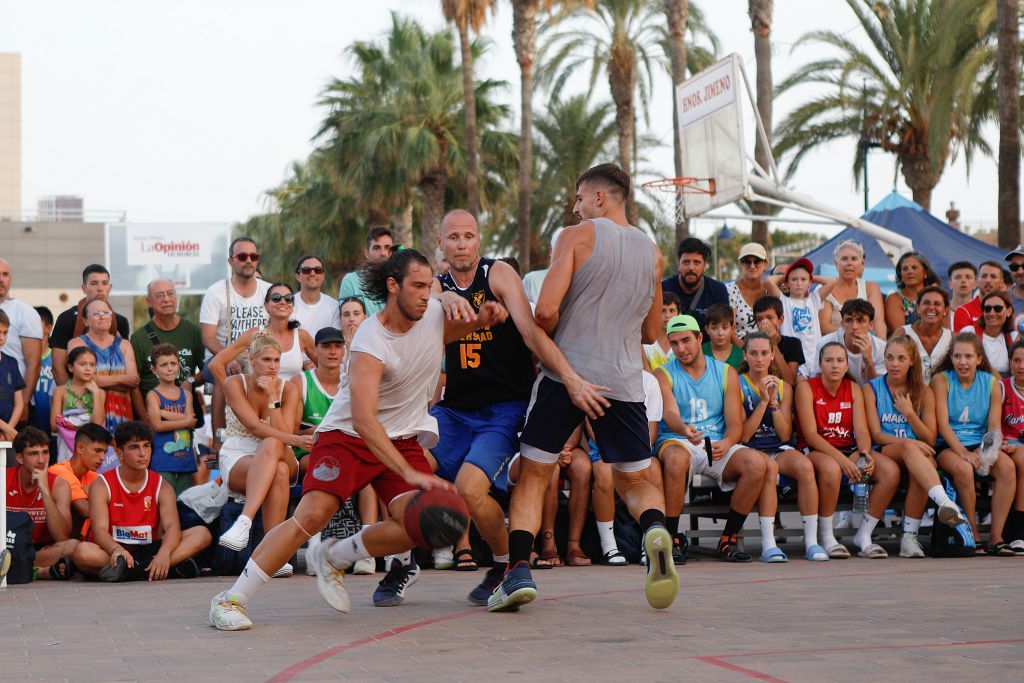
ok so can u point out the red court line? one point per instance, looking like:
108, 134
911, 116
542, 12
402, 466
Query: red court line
300, 666
751, 673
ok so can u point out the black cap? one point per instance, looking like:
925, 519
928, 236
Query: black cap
328, 335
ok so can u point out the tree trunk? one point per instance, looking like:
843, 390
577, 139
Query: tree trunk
402, 223
622, 81
469, 96
524, 35
678, 14
917, 172
761, 25
432, 188
1008, 62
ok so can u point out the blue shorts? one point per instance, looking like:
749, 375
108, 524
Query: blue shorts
487, 438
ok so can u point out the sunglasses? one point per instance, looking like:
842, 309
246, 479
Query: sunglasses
752, 261
306, 270
243, 257
996, 308
100, 314
1014, 267
277, 298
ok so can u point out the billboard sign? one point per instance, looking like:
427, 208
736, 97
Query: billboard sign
192, 255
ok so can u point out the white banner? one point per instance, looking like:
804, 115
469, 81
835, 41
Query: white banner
707, 92
166, 243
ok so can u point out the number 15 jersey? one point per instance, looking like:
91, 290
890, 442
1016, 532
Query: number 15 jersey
701, 401
490, 365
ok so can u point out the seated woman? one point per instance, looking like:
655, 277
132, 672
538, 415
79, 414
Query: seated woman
768, 405
929, 332
967, 405
913, 273
833, 431
901, 417
261, 415
1013, 442
997, 328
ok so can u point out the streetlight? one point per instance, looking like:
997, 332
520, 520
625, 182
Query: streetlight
725, 234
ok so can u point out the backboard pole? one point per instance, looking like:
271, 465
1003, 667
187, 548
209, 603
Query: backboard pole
761, 134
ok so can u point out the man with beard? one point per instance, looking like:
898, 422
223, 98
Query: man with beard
379, 242
696, 291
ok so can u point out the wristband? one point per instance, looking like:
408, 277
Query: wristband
273, 405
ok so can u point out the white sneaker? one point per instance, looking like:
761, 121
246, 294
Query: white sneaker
949, 513
444, 558
237, 537
366, 567
286, 570
330, 580
227, 613
312, 554
910, 546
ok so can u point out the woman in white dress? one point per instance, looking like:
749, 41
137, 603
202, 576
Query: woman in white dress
850, 284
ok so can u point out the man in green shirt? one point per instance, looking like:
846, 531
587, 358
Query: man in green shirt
166, 327
379, 242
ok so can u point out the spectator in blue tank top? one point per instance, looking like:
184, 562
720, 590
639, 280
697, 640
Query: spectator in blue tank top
967, 406
169, 408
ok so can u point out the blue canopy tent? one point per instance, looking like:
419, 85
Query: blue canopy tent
941, 243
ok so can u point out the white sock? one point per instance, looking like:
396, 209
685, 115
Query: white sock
938, 494
606, 531
249, 581
346, 552
810, 523
911, 525
825, 532
500, 559
767, 533
405, 558
863, 536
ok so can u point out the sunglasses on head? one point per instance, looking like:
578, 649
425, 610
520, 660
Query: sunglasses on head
277, 298
243, 257
306, 270
1014, 267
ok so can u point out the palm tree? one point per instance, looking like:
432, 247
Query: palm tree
468, 15
1008, 75
760, 12
926, 84
678, 14
396, 129
619, 39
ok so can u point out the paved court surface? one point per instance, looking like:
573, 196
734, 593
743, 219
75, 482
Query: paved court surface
853, 620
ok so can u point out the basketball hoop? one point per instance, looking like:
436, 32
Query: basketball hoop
682, 188
684, 185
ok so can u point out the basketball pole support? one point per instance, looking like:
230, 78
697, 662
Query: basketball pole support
5, 446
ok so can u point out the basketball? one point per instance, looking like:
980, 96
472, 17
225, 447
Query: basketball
435, 519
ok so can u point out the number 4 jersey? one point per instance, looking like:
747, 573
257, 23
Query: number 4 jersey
490, 365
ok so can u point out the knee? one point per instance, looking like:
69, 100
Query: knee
470, 493
829, 474
771, 469
804, 471
282, 477
67, 548
1004, 468
754, 464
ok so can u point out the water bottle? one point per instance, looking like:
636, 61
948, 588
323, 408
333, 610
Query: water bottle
862, 487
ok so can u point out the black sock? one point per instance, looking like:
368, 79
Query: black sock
672, 524
520, 545
649, 518
733, 523
1014, 528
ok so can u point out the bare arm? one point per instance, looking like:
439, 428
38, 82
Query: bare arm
895, 318
57, 502
670, 409
782, 418
875, 297
218, 365
170, 537
860, 425
308, 347
652, 322
236, 397
32, 350
559, 277
99, 519
995, 407
60, 366
56, 406
208, 333
772, 285
825, 318
733, 411
159, 422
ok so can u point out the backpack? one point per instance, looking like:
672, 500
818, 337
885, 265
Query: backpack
628, 535
19, 544
227, 562
952, 541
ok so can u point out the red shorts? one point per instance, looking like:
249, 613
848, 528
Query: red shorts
342, 465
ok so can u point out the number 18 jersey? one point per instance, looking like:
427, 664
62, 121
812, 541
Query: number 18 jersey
701, 401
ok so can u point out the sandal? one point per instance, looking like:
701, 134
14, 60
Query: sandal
773, 556
577, 558
838, 552
464, 561
62, 570
614, 558
538, 562
1001, 549
729, 551
981, 549
873, 552
551, 556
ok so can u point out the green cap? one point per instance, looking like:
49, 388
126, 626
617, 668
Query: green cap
682, 323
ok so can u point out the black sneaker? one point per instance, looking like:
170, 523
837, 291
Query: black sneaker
113, 573
391, 589
678, 550
185, 570
729, 550
479, 595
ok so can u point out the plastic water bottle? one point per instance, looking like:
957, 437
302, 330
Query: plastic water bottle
862, 487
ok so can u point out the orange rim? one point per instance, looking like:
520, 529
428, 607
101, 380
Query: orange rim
684, 185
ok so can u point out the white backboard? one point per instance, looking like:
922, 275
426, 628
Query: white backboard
192, 255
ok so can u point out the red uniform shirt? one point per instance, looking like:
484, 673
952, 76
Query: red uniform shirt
30, 501
1013, 412
134, 517
968, 315
832, 414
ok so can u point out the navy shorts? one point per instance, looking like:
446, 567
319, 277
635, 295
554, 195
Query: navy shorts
487, 438
621, 434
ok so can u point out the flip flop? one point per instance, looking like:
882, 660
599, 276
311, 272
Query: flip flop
535, 562
614, 558
838, 552
552, 557
774, 556
62, 570
464, 561
816, 554
873, 552
577, 558
1001, 549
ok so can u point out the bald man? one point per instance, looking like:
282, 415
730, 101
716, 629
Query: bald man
490, 375
166, 327
25, 337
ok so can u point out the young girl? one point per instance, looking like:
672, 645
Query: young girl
967, 405
833, 431
74, 404
901, 417
768, 403
1013, 442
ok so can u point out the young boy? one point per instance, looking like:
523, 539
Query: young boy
134, 519
789, 352
169, 408
659, 353
866, 351
40, 411
720, 324
12, 401
91, 444
800, 306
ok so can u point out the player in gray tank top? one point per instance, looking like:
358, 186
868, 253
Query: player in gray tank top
600, 301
